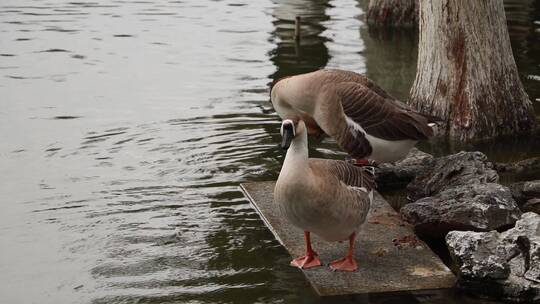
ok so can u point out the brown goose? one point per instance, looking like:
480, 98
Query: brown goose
327, 197
365, 121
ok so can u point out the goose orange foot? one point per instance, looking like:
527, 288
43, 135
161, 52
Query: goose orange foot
347, 263
306, 261
309, 260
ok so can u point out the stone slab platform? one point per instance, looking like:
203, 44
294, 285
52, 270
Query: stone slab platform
390, 256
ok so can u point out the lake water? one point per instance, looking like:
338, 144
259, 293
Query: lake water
126, 127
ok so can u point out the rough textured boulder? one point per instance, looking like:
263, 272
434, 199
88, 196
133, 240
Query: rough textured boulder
500, 265
476, 207
400, 173
459, 169
527, 195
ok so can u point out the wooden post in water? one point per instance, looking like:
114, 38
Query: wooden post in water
297, 20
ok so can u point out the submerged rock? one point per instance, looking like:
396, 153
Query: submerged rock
532, 188
500, 265
398, 174
463, 168
476, 207
522, 166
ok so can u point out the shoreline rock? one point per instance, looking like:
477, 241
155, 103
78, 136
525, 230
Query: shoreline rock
474, 207
458, 196
400, 173
500, 265
458, 169
527, 195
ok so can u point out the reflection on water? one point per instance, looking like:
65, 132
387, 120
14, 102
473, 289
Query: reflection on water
310, 53
391, 58
524, 30
127, 127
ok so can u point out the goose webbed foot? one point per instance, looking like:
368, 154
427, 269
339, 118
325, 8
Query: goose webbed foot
310, 259
306, 261
347, 263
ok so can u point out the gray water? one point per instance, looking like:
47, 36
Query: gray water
126, 127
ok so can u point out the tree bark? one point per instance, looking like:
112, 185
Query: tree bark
393, 12
466, 73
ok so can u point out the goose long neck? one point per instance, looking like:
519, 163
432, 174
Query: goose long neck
297, 154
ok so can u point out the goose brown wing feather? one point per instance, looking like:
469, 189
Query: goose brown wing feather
330, 118
339, 76
380, 117
346, 173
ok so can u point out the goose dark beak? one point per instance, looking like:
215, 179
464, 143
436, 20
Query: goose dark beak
288, 135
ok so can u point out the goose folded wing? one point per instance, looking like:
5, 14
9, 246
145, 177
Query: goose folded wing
384, 118
346, 173
331, 119
341, 76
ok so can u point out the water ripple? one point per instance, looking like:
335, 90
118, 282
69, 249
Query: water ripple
121, 168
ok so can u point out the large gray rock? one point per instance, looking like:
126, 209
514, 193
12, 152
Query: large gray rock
527, 195
459, 169
476, 207
500, 265
400, 173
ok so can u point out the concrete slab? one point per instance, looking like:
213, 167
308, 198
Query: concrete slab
390, 257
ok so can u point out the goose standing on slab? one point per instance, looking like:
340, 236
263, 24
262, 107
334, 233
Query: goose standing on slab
365, 121
327, 197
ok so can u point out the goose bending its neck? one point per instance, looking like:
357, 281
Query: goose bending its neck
365, 121
327, 197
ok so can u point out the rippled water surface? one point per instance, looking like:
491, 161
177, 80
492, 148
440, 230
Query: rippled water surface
127, 126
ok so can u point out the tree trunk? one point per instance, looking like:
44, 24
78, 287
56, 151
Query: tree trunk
393, 12
466, 73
